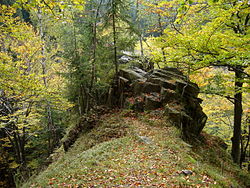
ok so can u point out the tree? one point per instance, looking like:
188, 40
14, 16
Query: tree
118, 13
213, 34
20, 88
23, 95
79, 41
90, 51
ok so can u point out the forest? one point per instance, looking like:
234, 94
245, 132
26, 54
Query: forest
62, 62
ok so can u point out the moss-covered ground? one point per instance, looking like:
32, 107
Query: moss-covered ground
140, 150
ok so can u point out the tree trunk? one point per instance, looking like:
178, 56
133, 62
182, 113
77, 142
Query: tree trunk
237, 115
248, 123
114, 36
16, 147
161, 32
245, 139
52, 136
141, 45
138, 24
94, 46
19, 146
79, 103
93, 66
82, 100
6, 176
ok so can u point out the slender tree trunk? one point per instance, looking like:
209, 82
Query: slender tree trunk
93, 60
248, 122
244, 147
15, 142
22, 142
82, 100
138, 24
79, 103
114, 36
141, 45
161, 32
52, 136
20, 145
237, 115
17, 148
86, 98
94, 46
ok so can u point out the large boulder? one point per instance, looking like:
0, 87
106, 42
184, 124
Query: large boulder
167, 88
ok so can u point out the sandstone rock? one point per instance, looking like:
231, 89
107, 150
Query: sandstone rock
187, 88
123, 80
174, 70
140, 71
138, 87
131, 74
187, 172
149, 87
152, 102
168, 95
157, 74
125, 59
167, 74
169, 84
167, 88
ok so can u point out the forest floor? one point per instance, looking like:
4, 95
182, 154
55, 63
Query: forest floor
140, 150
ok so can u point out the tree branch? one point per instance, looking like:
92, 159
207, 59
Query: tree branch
230, 99
48, 7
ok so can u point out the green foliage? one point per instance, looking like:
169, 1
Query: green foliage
205, 34
51, 7
87, 42
23, 94
19, 59
68, 51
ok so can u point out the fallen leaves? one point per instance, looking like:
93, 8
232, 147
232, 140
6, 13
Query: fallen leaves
133, 163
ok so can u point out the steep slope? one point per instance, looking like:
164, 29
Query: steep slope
140, 150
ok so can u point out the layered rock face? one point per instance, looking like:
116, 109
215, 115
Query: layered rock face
164, 88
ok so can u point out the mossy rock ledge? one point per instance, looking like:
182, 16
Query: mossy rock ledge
166, 88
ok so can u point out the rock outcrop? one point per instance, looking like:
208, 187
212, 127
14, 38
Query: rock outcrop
164, 88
